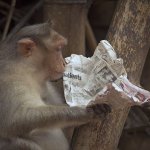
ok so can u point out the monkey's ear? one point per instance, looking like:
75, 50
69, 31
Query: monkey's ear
25, 46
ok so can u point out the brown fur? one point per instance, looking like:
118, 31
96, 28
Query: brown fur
28, 60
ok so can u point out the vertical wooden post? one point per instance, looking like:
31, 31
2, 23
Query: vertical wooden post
129, 34
69, 20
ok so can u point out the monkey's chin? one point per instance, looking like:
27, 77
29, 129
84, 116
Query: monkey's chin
56, 78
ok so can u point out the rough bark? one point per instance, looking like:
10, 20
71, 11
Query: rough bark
129, 34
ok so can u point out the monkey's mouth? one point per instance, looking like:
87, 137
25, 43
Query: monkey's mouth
61, 78
57, 77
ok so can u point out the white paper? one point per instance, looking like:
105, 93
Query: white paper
84, 78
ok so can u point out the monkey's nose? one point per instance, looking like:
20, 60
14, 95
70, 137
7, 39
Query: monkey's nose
63, 42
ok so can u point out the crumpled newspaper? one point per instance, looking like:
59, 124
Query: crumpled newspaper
85, 78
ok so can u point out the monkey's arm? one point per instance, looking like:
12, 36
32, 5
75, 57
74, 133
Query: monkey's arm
27, 112
25, 119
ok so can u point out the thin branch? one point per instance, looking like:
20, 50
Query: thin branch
14, 17
2, 20
18, 13
26, 18
13, 3
4, 5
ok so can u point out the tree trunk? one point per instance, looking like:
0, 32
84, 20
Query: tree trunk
129, 34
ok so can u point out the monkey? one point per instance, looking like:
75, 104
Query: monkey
29, 60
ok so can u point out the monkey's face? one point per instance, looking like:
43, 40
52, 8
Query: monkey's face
54, 61
47, 59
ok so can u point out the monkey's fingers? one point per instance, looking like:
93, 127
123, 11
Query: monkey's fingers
146, 105
100, 110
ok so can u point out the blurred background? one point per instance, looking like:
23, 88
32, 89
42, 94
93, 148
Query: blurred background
84, 23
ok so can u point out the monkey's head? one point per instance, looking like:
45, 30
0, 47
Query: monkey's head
41, 47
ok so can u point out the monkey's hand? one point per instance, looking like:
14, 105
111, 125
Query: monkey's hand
110, 101
99, 110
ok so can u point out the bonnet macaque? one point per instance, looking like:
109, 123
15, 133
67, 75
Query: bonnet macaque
28, 60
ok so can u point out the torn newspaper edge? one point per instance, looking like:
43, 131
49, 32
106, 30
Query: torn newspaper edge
85, 78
